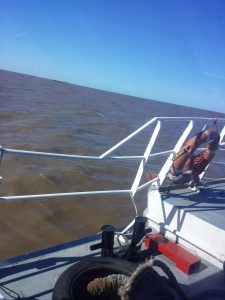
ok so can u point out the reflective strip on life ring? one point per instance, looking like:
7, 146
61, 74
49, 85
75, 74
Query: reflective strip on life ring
187, 166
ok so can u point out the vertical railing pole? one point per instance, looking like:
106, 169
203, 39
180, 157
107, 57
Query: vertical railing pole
222, 133
145, 159
168, 163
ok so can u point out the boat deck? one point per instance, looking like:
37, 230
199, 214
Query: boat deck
207, 204
34, 275
196, 217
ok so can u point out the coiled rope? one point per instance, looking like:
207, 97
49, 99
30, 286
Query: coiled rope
145, 283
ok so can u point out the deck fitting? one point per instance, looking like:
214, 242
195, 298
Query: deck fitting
184, 260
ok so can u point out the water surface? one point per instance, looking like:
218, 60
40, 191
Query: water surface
47, 115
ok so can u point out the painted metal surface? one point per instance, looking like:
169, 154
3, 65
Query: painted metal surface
168, 163
196, 219
148, 150
222, 133
33, 276
184, 260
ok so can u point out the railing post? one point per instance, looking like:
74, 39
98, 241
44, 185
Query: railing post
168, 163
222, 133
145, 159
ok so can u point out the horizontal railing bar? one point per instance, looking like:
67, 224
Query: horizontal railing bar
47, 154
162, 153
78, 157
125, 157
59, 195
147, 184
65, 156
190, 118
84, 157
140, 156
202, 149
218, 162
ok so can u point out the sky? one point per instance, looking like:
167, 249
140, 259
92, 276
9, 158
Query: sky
166, 50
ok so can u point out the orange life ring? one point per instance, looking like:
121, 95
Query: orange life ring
187, 166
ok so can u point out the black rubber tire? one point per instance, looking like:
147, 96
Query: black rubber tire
72, 283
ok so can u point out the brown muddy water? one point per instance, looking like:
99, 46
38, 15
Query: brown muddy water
52, 116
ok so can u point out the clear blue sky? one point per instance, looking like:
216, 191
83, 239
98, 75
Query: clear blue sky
172, 51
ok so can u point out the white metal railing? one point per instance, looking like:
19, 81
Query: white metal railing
168, 163
222, 133
144, 160
136, 187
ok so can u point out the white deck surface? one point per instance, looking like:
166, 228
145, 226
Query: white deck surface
196, 219
33, 276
